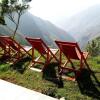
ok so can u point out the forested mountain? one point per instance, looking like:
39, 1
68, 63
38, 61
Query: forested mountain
33, 26
4, 30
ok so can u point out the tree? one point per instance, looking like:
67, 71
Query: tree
13, 9
2, 21
93, 47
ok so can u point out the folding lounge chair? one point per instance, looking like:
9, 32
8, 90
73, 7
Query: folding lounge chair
44, 51
16, 51
72, 52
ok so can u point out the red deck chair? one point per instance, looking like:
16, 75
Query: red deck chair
15, 49
72, 52
44, 51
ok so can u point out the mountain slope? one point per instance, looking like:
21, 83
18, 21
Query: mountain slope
4, 30
85, 25
33, 26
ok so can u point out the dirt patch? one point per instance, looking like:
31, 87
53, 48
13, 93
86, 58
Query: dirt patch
12, 80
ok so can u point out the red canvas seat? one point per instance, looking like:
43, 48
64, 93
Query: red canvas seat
44, 51
15, 49
72, 52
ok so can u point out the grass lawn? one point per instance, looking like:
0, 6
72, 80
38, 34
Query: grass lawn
87, 89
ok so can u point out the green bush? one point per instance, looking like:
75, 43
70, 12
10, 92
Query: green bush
4, 67
93, 47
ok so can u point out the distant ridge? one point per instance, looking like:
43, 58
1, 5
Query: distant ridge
85, 25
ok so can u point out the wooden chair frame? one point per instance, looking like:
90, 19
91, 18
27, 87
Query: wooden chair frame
72, 51
15, 48
44, 51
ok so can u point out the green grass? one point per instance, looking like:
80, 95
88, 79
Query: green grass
34, 81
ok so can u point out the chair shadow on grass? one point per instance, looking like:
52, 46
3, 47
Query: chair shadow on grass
87, 85
21, 65
50, 73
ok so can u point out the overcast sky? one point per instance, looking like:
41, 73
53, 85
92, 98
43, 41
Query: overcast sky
55, 10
